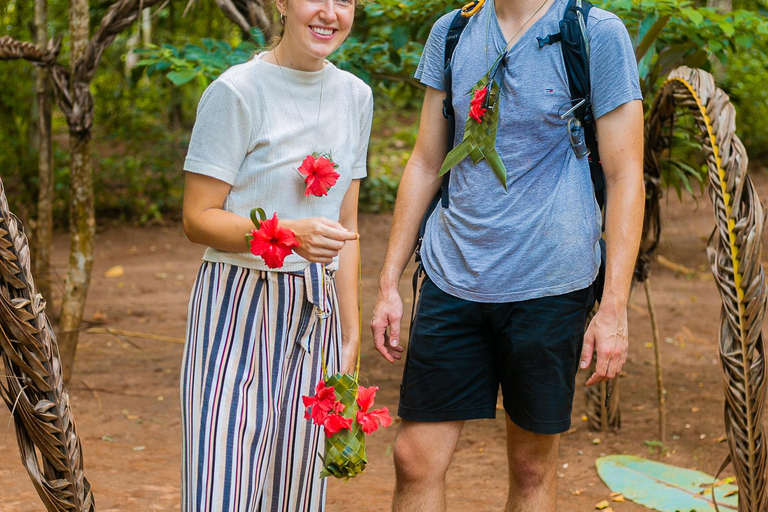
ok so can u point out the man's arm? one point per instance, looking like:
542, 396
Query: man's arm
418, 186
620, 133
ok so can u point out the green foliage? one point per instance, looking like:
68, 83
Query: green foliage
193, 62
745, 81
393, 138
656, 447
672, 33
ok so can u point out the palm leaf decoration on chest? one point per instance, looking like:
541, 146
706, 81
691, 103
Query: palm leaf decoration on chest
479, 140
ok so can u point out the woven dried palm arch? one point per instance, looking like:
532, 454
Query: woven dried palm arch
734, 251
33, 387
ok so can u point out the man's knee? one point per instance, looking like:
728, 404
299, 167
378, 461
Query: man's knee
531, 474
421, 458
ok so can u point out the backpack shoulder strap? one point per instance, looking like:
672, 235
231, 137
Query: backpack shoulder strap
574, 43
458, 24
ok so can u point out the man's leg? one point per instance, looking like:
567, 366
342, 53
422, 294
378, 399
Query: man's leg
423, 452
532, 470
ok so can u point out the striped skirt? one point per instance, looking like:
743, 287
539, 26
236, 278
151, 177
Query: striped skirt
253, 348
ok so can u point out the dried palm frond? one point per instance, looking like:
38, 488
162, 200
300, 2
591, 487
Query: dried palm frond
33, 388
734, 252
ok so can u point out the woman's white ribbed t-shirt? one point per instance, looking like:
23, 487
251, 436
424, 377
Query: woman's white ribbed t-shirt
255, 125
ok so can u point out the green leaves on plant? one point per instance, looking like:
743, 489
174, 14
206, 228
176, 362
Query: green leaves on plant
182, 77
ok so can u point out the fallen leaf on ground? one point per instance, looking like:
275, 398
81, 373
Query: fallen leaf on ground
619, 498
596, 440
602, 505
578, 492
721, 438
730, 493
695, 409
638, 408
115, 271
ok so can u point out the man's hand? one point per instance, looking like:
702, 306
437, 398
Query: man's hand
606, 335
388, 313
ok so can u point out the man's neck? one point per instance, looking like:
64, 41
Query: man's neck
517, 12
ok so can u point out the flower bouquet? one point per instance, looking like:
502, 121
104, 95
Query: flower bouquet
343, 408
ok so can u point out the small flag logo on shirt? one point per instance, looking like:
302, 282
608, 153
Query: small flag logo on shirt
549, 90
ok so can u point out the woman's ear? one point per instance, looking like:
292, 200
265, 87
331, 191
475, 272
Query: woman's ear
282, 5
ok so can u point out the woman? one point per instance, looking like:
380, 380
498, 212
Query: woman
286, 132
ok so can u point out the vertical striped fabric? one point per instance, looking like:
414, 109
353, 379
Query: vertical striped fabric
252, 350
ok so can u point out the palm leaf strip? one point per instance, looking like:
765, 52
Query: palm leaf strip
734, 251
33, 387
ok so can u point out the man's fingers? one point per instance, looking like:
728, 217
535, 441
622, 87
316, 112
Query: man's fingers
587, 349
379, 331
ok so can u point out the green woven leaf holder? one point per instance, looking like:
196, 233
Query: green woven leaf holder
345, 451
479, 140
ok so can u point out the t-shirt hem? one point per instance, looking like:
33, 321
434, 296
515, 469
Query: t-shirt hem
208, 169
614, 105
560, 289
256, 263
359, 173
430, 81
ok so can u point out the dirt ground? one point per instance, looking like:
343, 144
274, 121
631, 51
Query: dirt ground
125, 391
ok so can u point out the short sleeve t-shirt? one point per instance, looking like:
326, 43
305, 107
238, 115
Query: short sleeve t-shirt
541, 236
255, 126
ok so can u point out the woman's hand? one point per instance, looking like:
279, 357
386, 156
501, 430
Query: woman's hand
320, 239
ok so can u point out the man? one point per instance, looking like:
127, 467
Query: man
509, 272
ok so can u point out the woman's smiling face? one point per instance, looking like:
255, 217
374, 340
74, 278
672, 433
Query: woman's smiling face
315, 28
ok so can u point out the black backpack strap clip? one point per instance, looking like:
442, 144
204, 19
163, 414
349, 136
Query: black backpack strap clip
550, 39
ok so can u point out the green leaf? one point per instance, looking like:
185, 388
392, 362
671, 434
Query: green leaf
663, 487
692, 14
400, 36
650, 36
727, 28
745, 40
182, 77
256, 214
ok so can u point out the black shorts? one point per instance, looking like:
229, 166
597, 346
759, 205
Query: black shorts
461, 351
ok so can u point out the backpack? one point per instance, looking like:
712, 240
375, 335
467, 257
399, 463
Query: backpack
575, 49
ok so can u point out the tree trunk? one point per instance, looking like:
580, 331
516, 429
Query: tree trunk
720, 5
44, 229
82, 224
82, 227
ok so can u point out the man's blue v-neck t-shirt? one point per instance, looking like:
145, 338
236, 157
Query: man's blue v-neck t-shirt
541, 236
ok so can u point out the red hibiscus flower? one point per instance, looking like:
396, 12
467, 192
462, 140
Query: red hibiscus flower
334, 421
272, 242
320, 404
319, 174
476, 110
370, 421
